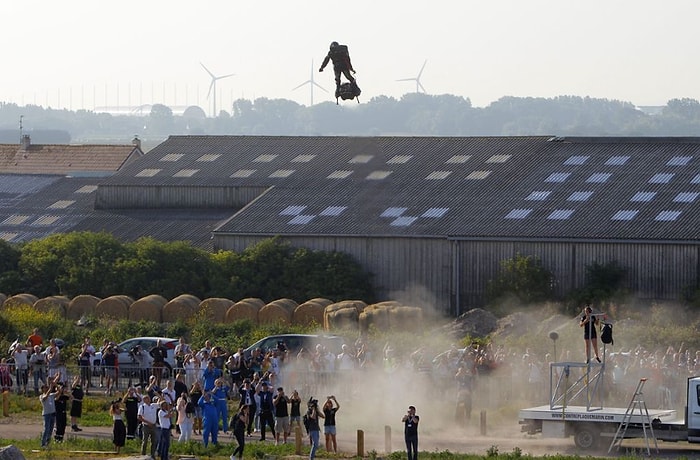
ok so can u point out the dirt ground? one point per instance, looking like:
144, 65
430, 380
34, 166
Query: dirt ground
467, 440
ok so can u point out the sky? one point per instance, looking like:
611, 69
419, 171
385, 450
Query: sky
77, 54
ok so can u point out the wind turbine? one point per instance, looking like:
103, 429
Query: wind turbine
311, 83
212, 85
419, 86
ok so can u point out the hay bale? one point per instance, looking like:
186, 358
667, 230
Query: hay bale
246, 309
147, 308
182, 307
308, 313
82, 305
116, 306
55, 303
277, 311
406, 318
343, 315
323, 301
214, 308
20, 299
376, 316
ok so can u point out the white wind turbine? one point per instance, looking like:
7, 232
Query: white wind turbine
419, 86
212, 85
311, 83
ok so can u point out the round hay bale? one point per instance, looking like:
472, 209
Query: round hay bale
182, 307
246, 309
374, 315
82, 305
406, 318
277, 311
323, 301
57, 303
215, 308
343, 315
308, 313
147, 308
20, 299
116, 306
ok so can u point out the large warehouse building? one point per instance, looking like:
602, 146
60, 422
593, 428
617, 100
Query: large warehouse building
431, 217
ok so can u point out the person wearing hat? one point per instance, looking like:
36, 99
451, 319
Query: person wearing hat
210, 420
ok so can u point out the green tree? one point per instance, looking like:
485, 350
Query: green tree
523, 277
71, 264
9, 268
604, 282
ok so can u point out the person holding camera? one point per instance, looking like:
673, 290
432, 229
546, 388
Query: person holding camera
48, 395
312, 415
266, 409
148, 416
410, 432
329, 412
281, 403
131, 400
210, 420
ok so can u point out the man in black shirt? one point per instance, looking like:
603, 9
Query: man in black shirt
410, 432
158, 353
341, 64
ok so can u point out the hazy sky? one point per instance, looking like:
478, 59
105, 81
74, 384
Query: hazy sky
88, 53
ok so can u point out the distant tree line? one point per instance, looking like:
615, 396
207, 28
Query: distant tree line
98, 264
412, 114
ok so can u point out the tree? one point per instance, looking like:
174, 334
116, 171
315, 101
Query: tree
9, 268
523, 277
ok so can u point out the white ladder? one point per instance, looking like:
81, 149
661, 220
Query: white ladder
637, 403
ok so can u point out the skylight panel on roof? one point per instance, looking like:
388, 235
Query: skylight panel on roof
617, 160
435, 212
518, 213
598, 178
303, 158
403, 221
560, 214
301, 219
265, 158
498, 159
172, 157
667, 216
16, 219
576, 160
399, 159
686, 197
643, 196
478, 175
186, 173
339, 174
393, 212
61, 204
661, 178
696, 179
378, 175
361, 159
45, 220
538, 195
8, 236
282, 173
209, 157
557, 177
458, 159
438, 175
679, 161
580, 196
86, 189
292, 210
148, 172
333, 211
625, 214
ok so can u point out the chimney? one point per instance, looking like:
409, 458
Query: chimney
26, 142
136, 142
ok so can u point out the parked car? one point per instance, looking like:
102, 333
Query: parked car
129, 366
294, 342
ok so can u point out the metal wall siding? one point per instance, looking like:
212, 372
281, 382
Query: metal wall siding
140, 197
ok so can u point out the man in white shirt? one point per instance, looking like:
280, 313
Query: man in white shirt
21, 357
148, 416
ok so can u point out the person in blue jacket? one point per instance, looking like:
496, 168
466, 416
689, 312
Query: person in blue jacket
210, 419
210, 374
220, 395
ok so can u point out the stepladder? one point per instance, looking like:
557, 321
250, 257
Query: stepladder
636, 414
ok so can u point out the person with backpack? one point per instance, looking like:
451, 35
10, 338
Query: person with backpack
340, 56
